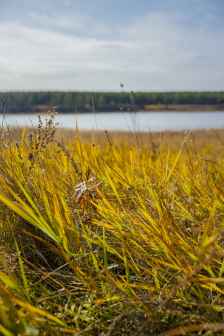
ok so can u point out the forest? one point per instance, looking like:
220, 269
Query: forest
71, 102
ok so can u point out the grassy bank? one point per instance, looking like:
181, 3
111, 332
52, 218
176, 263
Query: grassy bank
111, 234
183, 108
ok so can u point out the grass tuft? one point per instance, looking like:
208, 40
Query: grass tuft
111, 237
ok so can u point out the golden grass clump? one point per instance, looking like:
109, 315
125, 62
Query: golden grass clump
111, 237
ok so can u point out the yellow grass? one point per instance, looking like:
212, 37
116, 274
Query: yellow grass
103, 226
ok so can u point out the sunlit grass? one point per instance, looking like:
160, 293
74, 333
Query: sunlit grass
96, 235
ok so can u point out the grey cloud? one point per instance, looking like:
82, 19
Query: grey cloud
154, 52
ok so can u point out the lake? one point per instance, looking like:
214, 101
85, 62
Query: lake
139, 121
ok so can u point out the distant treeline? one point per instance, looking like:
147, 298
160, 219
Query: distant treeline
16, 102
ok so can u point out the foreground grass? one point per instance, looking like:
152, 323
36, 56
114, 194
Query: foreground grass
111, 238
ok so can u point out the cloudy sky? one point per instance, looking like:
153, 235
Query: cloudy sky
96, 44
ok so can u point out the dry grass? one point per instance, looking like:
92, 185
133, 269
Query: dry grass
111, 234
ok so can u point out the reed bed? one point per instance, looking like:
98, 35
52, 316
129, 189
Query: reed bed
111, 234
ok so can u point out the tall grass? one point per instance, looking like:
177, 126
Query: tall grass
110, 238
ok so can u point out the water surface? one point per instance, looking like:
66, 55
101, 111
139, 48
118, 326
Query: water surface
139, 121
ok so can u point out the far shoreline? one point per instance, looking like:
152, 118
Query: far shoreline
147, 109
184, 108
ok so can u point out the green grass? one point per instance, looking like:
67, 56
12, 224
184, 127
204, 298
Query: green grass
111, 237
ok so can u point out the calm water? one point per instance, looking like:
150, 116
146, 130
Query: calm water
140, 121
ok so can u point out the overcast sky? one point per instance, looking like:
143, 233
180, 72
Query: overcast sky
96, 44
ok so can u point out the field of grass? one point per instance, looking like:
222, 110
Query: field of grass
111, 235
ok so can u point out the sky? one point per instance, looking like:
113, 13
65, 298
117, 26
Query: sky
149, 45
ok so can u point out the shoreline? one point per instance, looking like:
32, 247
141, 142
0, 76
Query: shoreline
146, 109
184, 108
